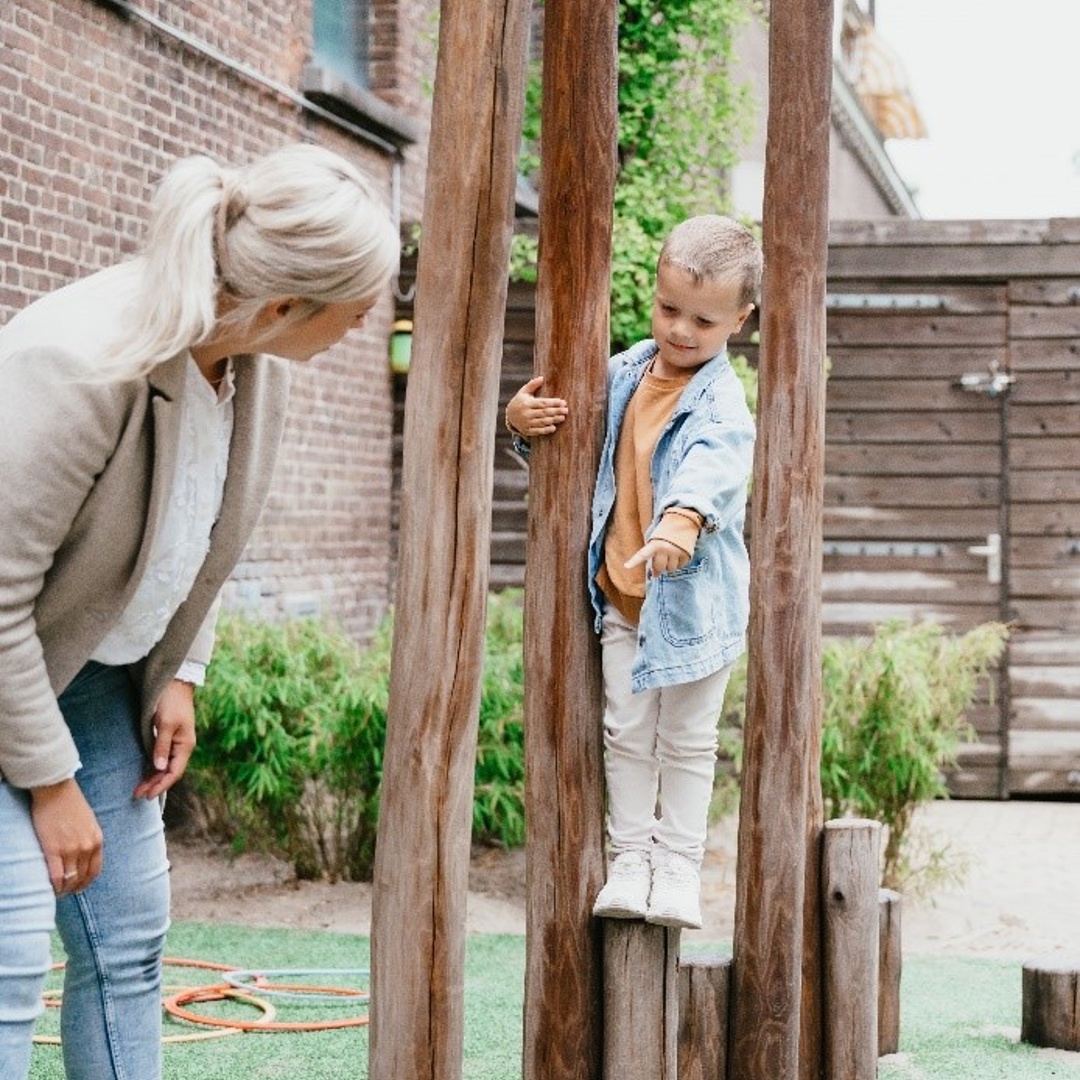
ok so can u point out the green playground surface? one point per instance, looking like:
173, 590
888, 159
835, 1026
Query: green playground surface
960, 1016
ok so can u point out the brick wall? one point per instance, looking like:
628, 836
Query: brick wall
96, 106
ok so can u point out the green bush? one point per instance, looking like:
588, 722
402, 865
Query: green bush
892, 725
291, 726
499, 792
894, 720
292, 723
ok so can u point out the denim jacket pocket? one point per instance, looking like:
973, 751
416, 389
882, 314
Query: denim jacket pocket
684, 603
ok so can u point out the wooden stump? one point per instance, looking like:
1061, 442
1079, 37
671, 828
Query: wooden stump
704, 995
889, 965
849, 886
640, 1001
1051, 1002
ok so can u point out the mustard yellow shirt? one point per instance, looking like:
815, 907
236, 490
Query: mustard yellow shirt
647, 414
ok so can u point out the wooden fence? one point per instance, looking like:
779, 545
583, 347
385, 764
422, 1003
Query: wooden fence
952, 462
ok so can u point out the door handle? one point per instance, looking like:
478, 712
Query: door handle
991, 551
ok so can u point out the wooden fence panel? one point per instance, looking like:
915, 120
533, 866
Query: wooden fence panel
914, 464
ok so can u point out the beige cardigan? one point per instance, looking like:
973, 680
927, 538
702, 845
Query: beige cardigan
85, 470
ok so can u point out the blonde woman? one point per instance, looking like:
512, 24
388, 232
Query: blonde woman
140, 415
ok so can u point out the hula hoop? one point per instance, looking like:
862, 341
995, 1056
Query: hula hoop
221, 1031
255, 981
174, 1005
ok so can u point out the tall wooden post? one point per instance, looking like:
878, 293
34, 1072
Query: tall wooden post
776, 1014
564, 772
422, 860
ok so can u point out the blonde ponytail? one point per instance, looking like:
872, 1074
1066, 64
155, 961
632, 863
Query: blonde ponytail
176, 304
301, 222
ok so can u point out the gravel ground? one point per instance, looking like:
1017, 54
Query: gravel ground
1017, 899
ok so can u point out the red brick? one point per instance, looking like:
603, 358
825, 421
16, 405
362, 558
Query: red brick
110, 103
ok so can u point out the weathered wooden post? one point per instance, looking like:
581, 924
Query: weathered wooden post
564, 771
704, 1004
1050, 1013
641, 1002
890, 966
776, 1012
422, 860
850, 871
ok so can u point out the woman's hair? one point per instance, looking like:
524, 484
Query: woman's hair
711, 247
300, 222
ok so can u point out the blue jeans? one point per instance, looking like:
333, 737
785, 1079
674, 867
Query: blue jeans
113, 931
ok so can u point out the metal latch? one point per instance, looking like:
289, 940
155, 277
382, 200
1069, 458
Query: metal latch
991, 383
991, 551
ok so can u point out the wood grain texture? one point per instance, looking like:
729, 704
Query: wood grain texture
563, 1036
1050, 1014
704, 1004
422, 860
890, 967
850, 869
776, 1016
641, 1003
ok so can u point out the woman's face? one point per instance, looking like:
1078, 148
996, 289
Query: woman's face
305, 339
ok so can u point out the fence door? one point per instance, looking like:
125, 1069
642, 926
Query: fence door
916, 520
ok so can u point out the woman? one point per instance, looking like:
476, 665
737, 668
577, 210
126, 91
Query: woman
138, 431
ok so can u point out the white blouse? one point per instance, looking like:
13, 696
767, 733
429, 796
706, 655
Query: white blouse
183, 539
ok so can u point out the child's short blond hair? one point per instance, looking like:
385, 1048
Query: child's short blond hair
712, 246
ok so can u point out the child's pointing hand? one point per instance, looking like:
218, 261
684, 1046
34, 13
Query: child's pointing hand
661, 556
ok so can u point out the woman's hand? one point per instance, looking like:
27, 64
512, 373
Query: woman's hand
69, 835
174, 739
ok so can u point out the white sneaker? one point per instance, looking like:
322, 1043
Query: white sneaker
675, 899
626, 894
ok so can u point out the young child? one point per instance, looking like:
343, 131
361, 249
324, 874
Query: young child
668, 568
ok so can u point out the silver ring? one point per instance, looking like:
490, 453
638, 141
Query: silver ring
69, 874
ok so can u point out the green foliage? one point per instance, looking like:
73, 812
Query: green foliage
292, 724
894, 719
499, 792
681, 120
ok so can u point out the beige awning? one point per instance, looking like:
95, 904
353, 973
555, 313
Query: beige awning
879, 80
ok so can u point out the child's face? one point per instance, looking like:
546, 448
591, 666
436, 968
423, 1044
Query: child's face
692, 320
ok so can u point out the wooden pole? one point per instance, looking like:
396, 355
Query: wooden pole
890, 966
850, 871
425, 820
704, 1005
563, 698
641, 1005
776, 1013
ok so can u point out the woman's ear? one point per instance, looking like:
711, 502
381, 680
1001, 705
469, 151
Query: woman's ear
273, 312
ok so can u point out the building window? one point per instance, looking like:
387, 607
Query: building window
338, 75
342, 39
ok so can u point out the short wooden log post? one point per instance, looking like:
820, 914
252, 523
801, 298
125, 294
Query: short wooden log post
889, 964
850, 871
641, 1024
704, 996
1051, 1002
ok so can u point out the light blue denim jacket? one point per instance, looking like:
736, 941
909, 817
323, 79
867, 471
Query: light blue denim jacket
694, 619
